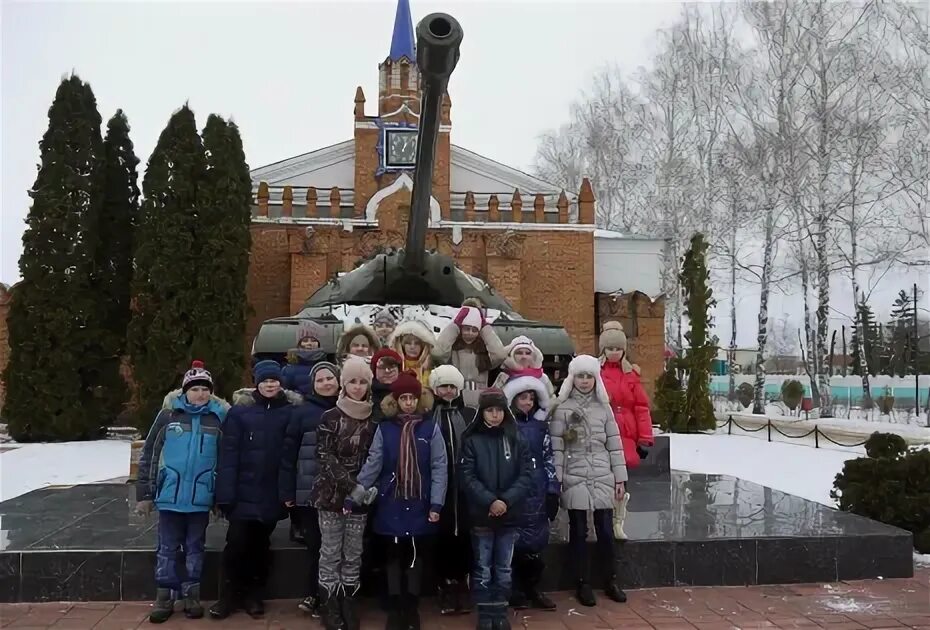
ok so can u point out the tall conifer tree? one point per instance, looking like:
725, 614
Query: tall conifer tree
169, 275
701, 348
51, 318
224, 206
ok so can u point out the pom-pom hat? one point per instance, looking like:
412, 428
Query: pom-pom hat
197, 376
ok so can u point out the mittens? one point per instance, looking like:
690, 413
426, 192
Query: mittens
361, 496
460, 316
552, 506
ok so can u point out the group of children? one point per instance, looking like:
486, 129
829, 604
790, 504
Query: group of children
397, 450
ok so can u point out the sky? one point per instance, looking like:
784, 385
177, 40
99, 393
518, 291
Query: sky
286, 72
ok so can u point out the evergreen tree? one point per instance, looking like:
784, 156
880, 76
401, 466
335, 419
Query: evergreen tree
224, 209
701, 348
169, 279
51, 317
868, 332
113, 268
903, 335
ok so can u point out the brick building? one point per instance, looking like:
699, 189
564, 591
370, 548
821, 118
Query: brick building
319, 213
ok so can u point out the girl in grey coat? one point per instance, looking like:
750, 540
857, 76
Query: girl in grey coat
589, 463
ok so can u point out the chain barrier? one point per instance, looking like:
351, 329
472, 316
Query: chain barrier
729, 423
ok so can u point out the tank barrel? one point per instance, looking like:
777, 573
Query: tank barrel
438, 39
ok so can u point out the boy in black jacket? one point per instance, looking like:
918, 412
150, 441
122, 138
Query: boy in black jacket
497, 475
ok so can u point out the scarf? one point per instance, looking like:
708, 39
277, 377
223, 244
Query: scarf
478, 348
528, 371
355, 409
408, 467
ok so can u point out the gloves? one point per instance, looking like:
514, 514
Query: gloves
552, 506
144, 508
643, 453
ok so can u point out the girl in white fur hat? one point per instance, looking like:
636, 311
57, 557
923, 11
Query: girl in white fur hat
523, 359
471, 345
414, 341
589, 462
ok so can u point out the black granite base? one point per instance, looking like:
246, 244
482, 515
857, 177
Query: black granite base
83, 542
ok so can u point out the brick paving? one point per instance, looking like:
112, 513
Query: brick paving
870, 605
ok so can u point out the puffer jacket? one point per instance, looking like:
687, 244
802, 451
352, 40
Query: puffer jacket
496, 464
177, 469
299, 466
295, 376
453, 418
630, 406
343, 447
250, 455
466, 361
533, 524
588, 454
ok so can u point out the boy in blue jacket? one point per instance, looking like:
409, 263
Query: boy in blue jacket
176, 476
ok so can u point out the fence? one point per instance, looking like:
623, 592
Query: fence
818, 434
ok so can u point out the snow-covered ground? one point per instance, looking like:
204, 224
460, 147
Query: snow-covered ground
29, 467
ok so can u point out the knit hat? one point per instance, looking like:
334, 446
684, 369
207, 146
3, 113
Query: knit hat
355, 367
197, 376
266, 370
406, 383
386, 353
446, 375
612, 336
383, 316
473, 318
310, 329
492, 397
322, 365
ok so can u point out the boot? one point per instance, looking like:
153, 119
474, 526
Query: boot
193, 609
253, 605
534, 572
163, 607
485, 617
500, 619
412, 612
395, 617
331, 611
585, 594
350, 607
462, 597
620, 516
448, 598
310, 604
613, 590
227, 603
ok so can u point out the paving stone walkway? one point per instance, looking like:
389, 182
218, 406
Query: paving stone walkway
871, 605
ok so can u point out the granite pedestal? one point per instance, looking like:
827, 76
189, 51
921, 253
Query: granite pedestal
84, 543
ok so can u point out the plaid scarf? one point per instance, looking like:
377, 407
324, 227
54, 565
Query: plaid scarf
408, 466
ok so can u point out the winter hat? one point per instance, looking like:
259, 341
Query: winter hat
265, 370
383, 316
612, 336
473, 318
583, 364
406, 383
355, 367
309, 328
389, 355
197, 376
446, 375
516, 386
322, 365
523, 342
492, 397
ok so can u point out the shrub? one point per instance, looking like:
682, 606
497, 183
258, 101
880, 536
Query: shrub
792, 392
891, 485
670, 399
745, 394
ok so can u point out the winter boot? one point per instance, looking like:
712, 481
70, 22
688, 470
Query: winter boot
310, 604
448, 598
193, 609
350, 607
411, 612
331, 611
620, 516
613, 590
534, 572
163, 607
395, 616
585, 594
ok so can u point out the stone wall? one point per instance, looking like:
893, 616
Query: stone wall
5, 297
644, 323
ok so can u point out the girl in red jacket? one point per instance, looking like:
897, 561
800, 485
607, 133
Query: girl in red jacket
629, 403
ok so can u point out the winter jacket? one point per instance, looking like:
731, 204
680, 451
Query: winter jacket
533, 523
496, 464
295, 376
343, 447
465, 359
395, 516
250, 455
299, 466
588, 454
379, 391
630, 406
177, 469
453, 418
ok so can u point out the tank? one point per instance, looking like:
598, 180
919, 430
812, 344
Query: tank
413, 275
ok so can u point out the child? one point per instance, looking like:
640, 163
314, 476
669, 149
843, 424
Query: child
414, 341
357, 340
383, 323
589, 462
247, 487
407, 464
176, 477
472, 346
529, 401
454, 564
386, 366
523, 359
344, 438
630, 406
300, 360
299, 468
497, 475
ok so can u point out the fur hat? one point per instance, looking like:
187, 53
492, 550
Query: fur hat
612, 336
197, 376
353, 331
412, 327
383, 316
516, 386
472, 318
446, 375
385, 353
310, 329
355, 367
492, 397
584, 364
523, 342
266, 370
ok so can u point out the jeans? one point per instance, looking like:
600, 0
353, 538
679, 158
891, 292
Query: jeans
491, 575
309, 522
180, 530
247, 556
577, 542
341, 549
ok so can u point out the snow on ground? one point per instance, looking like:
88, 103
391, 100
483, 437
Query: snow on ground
32, 466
